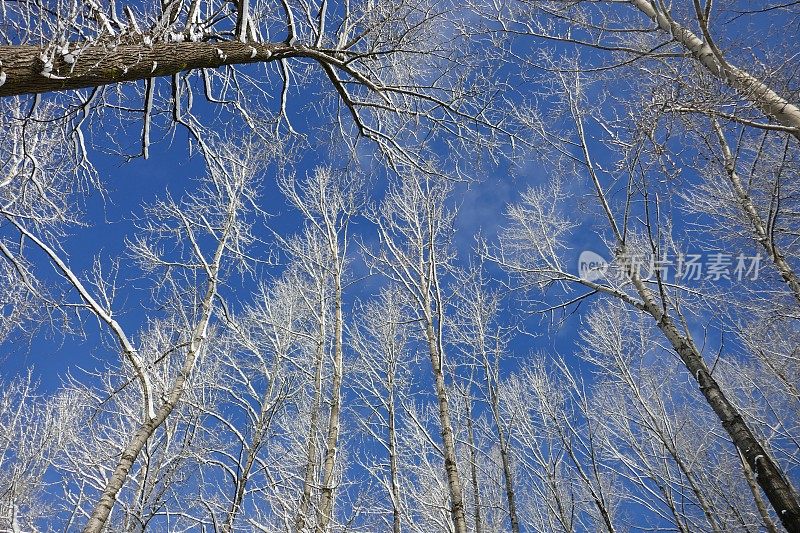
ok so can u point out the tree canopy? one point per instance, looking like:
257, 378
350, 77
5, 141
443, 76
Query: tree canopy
407, 265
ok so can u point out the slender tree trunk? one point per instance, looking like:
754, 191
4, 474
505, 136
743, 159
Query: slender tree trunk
690, 478
244, 474
749, 87
759, 228
768, 474
238, 496
311, 450
504, 457
450, 460
134, 521
393, 468
679, 517
327, 496
762, 509
597, 496
102, 510
473, 456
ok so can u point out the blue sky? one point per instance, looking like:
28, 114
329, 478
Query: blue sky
481, 204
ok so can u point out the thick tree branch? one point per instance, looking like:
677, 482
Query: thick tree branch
35, 69
748, 86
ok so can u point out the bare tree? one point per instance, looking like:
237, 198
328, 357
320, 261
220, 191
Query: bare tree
257, 384
217, 210
382, 370
655, 32
667, 446
34, 430
695, 47
389, 65
327, 202
214, 211
109, 412
530, 250
553, 495
485, 341
225, 401
413, 224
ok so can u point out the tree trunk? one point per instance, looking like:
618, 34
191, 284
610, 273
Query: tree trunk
244, 474
311, 450
327, 496
450, 460
476, 493
760, 229
750, 88
768, 474
751, 483
504, 456
102, 510
393, 468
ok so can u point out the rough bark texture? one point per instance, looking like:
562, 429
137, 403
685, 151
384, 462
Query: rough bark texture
749, 87
769, 475
102, 63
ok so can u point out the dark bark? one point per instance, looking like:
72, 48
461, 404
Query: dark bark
103, 63
769, 475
